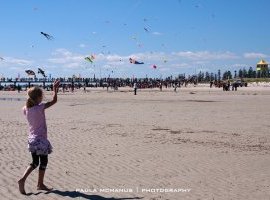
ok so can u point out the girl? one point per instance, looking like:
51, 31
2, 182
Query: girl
38, 144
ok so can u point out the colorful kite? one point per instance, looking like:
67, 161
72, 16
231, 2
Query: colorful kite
133, 61
90, 58
49, 37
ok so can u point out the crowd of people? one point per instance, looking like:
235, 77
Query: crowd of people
228, 85
71, 84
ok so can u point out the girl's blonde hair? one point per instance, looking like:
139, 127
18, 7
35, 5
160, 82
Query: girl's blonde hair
33, 94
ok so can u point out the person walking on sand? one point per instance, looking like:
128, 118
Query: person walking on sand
38, 144
135, 88
84, 88
160, 86
175, 87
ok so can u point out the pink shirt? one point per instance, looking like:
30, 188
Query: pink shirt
36, 120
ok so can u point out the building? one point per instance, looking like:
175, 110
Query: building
262, 69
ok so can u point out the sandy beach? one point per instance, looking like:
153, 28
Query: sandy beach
201, 143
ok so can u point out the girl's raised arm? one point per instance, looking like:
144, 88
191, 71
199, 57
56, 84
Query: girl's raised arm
55, 90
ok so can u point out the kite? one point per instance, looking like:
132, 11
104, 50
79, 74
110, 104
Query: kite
90, 58
30, 72
146, 30
139, 45
135, 61
154, 67
42, 72
49, 37
1, 58
134, 38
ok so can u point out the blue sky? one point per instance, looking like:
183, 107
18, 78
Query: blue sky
184, 36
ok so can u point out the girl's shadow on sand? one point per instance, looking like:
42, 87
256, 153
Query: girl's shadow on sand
75, 194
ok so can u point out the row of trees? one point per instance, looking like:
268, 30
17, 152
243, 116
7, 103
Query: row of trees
241, 73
